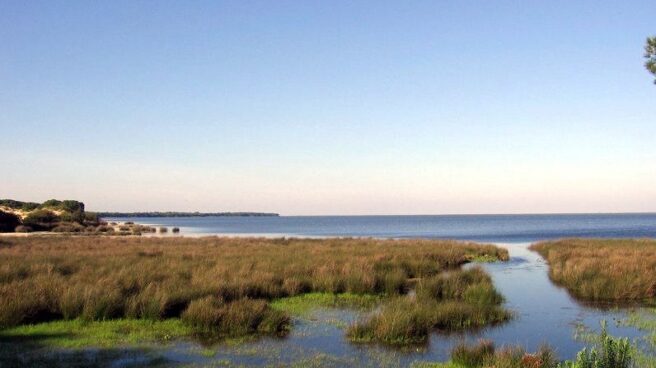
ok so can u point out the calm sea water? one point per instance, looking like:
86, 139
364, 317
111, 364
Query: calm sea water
490, 228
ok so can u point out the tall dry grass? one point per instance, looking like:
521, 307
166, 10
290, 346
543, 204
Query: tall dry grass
484, 355
603, 269
96, 278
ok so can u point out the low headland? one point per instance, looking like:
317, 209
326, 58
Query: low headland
52, 215
70, 217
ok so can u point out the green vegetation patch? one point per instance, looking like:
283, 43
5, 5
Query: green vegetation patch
301, 305
615, 270
111, 333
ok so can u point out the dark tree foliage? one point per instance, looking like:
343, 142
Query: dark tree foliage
8, 222
67, 205
18, 205
47, 215
51, 203
650, 55
72, 206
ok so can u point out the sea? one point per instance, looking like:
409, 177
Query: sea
482, 228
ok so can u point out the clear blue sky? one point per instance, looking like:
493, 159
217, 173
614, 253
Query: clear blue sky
331, 107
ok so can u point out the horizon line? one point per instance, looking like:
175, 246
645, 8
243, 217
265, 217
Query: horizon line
409, 215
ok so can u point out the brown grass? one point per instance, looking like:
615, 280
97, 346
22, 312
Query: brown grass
453, 300
484, 355
100, 277
614, 270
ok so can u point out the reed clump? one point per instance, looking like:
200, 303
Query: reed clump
226, 284
615, 270
237, 318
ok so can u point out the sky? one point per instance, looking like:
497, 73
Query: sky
329, 107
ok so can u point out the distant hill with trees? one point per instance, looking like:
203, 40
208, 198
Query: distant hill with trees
51, 215
69, 216
650, 55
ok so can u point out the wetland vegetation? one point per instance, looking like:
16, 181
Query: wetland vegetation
224, 286
117, 293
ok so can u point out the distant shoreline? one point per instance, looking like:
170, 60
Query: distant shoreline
185, 214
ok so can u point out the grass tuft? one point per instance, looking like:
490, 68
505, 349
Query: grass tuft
227, 286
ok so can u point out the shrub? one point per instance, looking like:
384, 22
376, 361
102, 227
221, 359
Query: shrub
205, 314
241, 317
41, 220
72, 206
8, 222
77, 217
29, 206
105, 229
70, 227
163, 229
247, 316
23, 229
175, 230
18, 205
473, 355
51, 203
